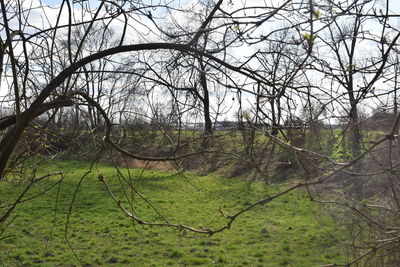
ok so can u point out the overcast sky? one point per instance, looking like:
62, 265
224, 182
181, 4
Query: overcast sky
37, 18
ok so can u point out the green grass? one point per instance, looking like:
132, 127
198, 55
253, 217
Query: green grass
285, 232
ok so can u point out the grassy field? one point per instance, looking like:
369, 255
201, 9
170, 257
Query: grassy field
286, 232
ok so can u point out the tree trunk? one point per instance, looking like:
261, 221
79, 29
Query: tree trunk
355, 130
208, 130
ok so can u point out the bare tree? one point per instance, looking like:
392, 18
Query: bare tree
67, 63
94, 66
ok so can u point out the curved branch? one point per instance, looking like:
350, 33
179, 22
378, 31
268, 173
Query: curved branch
12, 137
58, 103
